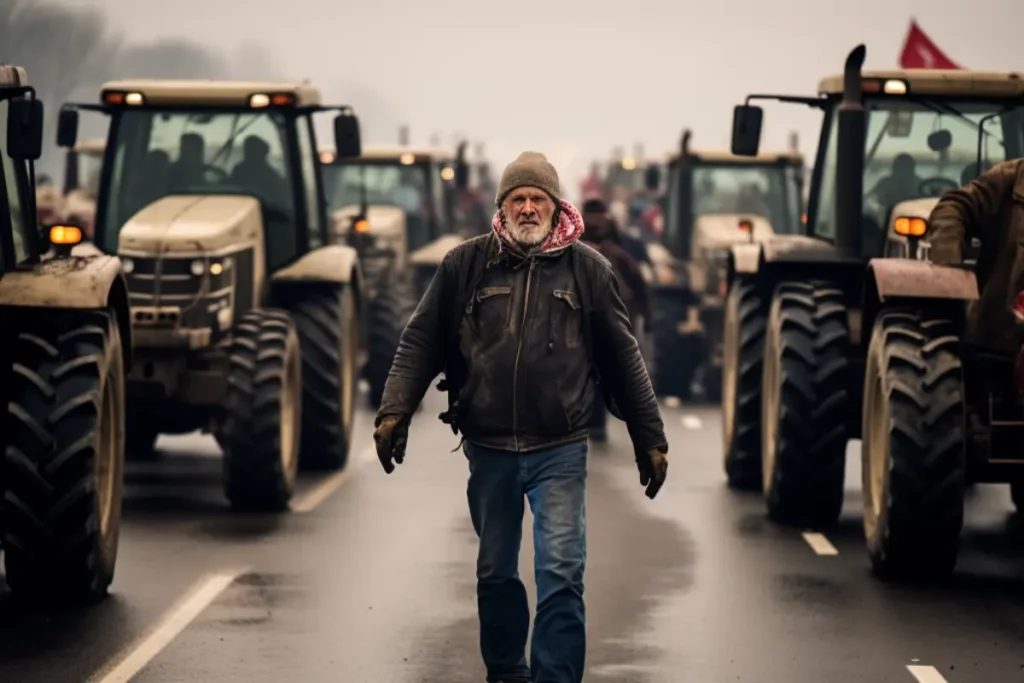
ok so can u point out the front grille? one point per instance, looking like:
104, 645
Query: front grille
170, 282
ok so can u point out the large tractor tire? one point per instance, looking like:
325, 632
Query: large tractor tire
914, 446
389, 313
262, 428
64, 463
675, 358
741, 385
805, 404
327, 321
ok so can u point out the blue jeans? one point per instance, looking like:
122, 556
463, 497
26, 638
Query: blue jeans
554, 482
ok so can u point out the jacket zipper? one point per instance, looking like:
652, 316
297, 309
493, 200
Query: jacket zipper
515, 366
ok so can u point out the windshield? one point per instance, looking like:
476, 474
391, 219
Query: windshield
387, 183
160, 153
772, 191
907, 157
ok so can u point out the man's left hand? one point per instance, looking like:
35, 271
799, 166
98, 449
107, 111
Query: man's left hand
653, 466
391, 437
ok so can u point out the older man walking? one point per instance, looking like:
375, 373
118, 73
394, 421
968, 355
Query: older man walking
528, 326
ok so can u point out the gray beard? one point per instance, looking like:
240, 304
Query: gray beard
529, 238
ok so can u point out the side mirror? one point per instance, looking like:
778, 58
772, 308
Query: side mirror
746, 130
347, 143
67, 128
461, 175
652, 177
25, 129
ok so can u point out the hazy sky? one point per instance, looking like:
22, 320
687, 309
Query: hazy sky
572, 78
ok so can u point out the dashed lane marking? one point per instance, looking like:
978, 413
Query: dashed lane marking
191, 605
819, 544
312, 499
926, 674
691, 422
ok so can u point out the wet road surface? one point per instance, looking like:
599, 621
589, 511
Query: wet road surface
370, 580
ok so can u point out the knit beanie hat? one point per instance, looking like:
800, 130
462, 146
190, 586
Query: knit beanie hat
530, 169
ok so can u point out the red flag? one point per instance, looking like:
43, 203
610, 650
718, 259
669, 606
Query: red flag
919, 52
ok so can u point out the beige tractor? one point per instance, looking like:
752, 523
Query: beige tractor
395, 207
850, 333
65, 346
244, 311
714, 200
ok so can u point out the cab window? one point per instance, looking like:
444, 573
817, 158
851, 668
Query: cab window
14, 177
162, 153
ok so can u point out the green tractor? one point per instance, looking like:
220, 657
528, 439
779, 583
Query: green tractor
849, 332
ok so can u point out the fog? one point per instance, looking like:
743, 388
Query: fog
570, 78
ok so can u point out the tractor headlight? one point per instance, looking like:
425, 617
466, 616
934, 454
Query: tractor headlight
198, 268
128, 266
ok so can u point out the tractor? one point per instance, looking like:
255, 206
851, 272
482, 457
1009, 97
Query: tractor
714, 200
245, 315
66, 346
850, 332
395, 206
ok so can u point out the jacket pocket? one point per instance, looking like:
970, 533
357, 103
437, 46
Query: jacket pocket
567, 318
493, 309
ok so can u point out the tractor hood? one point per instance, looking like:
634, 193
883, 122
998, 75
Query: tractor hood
184, 225
721, 231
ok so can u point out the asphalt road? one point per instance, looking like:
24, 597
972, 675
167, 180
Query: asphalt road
370, 580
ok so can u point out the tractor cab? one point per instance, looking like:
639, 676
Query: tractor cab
924, 133
417, 181
715, 199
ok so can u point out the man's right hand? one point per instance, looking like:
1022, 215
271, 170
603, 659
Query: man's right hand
653, 466
390, 437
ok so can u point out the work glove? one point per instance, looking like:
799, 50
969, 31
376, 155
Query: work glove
391, 436
653, 466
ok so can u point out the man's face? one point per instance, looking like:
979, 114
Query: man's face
528, 212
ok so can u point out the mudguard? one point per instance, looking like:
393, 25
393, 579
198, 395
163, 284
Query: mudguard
433, 253
76, 282
333, 263
799, 248
81, 281
907, 278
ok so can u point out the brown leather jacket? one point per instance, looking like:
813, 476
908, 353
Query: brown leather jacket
990, 208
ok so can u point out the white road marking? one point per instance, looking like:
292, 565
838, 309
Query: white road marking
926, 674
819, 544
312, 499
188, 608
692, 422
